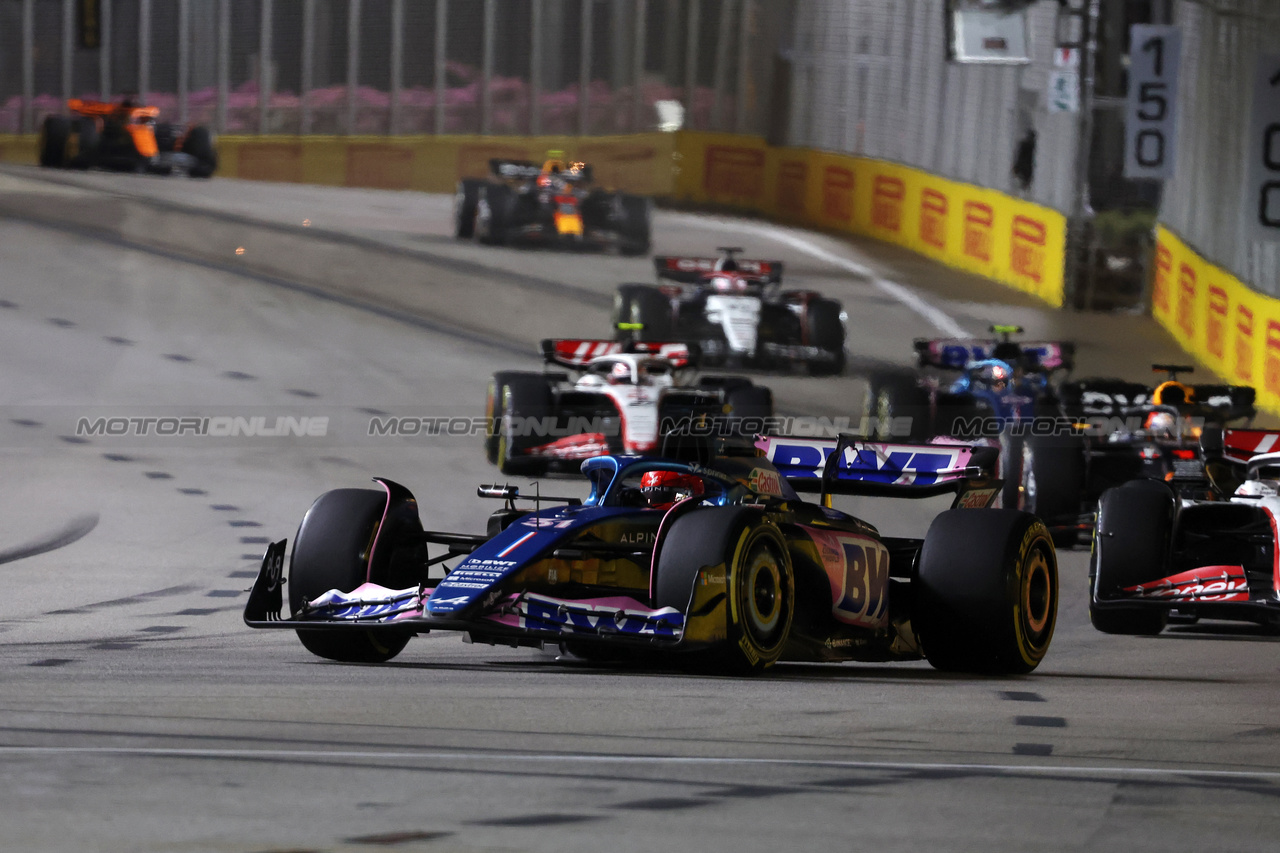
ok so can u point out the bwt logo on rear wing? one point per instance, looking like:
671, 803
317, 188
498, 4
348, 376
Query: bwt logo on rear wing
691, 270
578, 353
868, 468
955, 353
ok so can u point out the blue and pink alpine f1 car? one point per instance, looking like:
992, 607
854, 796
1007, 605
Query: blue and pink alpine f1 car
715, 559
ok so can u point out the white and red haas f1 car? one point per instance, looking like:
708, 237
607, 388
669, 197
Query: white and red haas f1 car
626, 399
737, 313
1156, 554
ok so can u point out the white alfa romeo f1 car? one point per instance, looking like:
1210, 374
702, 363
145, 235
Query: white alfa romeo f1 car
626, 399
737, 313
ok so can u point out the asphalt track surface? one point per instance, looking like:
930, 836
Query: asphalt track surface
139, 714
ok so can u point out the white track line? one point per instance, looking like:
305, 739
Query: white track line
657, 760
939, 319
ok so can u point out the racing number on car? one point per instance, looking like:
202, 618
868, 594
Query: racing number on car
1154, 59
858, 569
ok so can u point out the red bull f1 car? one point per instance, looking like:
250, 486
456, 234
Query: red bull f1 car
125, 137
552, 204
1123, 431
737, 313
715, 559
1158, 555
625, 398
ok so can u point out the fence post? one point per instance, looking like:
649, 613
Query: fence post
397, 64
637, 66
442, 24
264, 66
535, 67
306, 80
144, 50
353, 63
486, 69
184, 58
584, 70
224, 64
744, 68
68, 47
723, 34
1084, 136
104, 50
691, 61
28, 65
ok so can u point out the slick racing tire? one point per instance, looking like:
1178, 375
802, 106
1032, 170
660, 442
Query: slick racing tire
1131, 544
495, 208
199, 144
751, 555
465, 200
826, 332
88, 142
634, 230
986, 593
54, 135
641, 312
167, 136
895, 398
518, 398
331, 551
1052, 484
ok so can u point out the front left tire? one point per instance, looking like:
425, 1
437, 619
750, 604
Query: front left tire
333, 550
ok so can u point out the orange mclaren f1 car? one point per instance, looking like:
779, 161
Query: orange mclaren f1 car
125, 137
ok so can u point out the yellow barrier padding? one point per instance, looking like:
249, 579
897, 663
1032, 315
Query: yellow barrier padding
978, 230
1217, 318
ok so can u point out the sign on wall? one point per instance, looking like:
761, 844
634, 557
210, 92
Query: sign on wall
1262, 192
1155, 54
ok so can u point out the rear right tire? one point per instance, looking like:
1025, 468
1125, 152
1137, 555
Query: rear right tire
55, 132
985, 596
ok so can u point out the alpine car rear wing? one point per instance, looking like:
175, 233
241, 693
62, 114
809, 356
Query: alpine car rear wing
955, 353
577, 353
691, 270
885, 469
